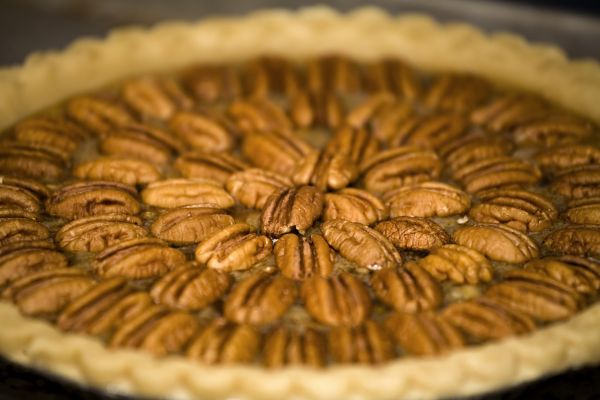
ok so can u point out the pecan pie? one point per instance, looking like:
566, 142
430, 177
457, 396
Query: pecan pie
267, 207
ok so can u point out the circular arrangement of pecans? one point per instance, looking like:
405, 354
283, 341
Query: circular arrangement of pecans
321, 212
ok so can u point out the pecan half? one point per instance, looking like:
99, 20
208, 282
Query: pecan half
316, 109
137, 259
562, 157
536, 295
408, 288
127, 171
333, 73
237, 247
457, 92
30, 162
428, 131
508, 111
53, 132
368, 343
142, 142
28, 256
157, 330
190, 224
259, 115
354, 205
87, 199
97, 233
260, 299
201, 131
393, 76
458, 264
300, 257
360, 244
213, 166
36, 188
413, 233
362, 114
13, 196
325, 171
211, 82
173, 193
340, 300
222, 342
472, 148
274, 151
497, 242
97, 115
190, 288
44, 293
519, 209
579, 273
579, 240
484, 319
399, 167
21, 229
427, 199
285, 346
253, 187
496, 172
105, 306
424, 334
388, 118
578, 181
584, 211
153, 97
358, 145
557, 128
270, 75
292, 209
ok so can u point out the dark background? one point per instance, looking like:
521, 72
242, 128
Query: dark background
30, 25
34, 25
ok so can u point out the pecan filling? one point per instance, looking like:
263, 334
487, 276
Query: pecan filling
300, 213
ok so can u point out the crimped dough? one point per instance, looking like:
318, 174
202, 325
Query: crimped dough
367, 33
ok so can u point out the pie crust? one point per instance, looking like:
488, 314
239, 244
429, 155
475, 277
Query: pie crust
364, 34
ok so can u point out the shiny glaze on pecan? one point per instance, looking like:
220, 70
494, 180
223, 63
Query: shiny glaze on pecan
519, 209
97, 233
237, 247
172, 193
301, 257
497, 242
190, 224
458, 264
397, 167
87, 199
354, 205
409, 288
137, 259
360, 244
427, 199
413, 233
292, 209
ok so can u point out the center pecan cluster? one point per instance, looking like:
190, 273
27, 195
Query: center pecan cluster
325, 212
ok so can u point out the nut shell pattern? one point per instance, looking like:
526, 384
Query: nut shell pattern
307, 212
